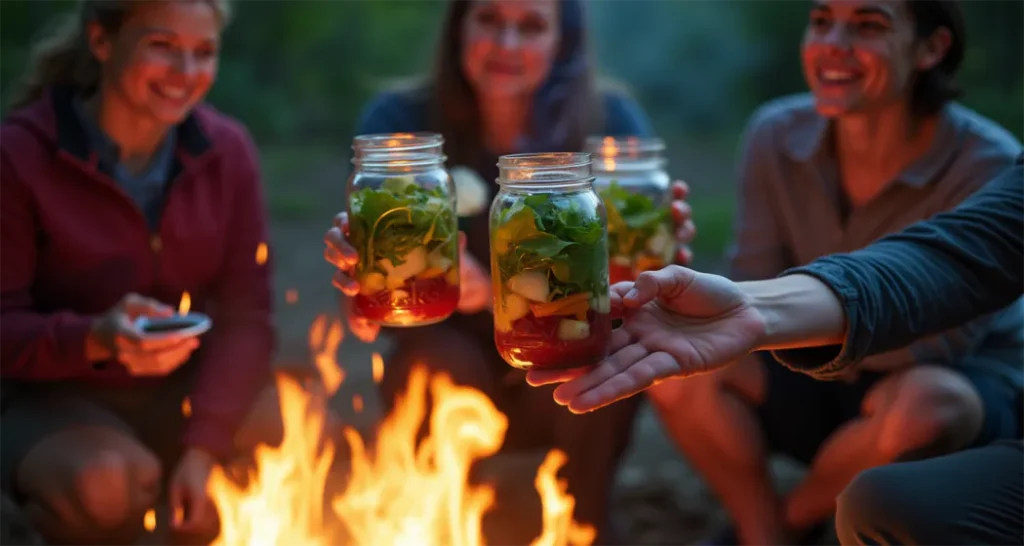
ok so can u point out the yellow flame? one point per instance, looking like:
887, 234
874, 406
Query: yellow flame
186, 303
397, 493
149, 520
559, 527
261, 253
291, 295
357, 403
324, 342
186, 407
378, 367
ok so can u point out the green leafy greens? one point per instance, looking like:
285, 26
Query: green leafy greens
555, 234
633, 219
391, 221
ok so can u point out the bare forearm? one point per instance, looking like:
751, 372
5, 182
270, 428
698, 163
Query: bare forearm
799, 311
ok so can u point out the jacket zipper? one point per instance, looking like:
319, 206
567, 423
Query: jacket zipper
154, 239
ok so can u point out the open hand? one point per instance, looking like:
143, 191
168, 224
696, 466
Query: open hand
676, 322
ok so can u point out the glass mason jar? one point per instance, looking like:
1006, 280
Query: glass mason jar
549, 263
401, 205
630, 177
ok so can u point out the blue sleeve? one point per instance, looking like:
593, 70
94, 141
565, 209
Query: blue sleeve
623, 116
392, 112
935, 275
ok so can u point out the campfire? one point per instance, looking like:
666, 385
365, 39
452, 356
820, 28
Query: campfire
396, 492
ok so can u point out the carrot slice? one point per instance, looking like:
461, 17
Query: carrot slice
568, 305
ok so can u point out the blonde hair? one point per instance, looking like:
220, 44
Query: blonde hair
64, 56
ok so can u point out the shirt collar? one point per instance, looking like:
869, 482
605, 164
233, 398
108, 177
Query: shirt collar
807, 142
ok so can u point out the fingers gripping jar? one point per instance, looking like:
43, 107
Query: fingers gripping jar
401, 204
630, 178
549, 263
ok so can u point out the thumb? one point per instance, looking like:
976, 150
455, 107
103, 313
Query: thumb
665, 283
615, 295
135, 305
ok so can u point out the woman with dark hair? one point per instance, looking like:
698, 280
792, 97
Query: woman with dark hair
875, 146
511, 76
120, 191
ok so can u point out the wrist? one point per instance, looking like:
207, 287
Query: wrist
796, 311
95, 349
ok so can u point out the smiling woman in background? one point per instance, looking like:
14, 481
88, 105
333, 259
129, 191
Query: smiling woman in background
875, 146
119, 192
511, 76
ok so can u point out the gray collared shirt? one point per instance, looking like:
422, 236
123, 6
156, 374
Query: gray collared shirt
791, 211
146, 188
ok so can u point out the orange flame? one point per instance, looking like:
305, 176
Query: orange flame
261, 253
186, 303
398, 493
357, 403
149, 520
186, 407
324, 342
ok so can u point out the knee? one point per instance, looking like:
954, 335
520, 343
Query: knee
936, 410
112, 488
877, 508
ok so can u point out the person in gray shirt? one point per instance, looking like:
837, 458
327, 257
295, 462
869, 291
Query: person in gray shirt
875, 146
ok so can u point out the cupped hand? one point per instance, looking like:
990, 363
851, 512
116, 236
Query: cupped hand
676, 322
114, 335
191, 507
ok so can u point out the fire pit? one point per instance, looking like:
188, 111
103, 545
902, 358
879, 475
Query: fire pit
397, 493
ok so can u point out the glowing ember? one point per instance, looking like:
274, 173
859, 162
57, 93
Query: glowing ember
291, 296
186, 407
186, 303
378, 367
397, 493
149, 520
357, 403
261, 253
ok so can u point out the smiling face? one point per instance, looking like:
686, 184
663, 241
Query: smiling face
163, 59
509, 45
861, 56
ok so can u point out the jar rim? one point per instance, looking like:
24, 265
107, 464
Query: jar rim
397, 142
545, 160
623, 146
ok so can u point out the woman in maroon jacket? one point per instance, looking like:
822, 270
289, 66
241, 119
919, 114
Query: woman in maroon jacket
119, 192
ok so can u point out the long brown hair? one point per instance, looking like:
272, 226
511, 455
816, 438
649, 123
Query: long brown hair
566, 108
64, 57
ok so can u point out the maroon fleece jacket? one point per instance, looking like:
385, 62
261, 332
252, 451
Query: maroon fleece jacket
73, 244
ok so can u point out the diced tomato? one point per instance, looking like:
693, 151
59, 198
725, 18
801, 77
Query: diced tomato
417, 302
534, 343
620, 273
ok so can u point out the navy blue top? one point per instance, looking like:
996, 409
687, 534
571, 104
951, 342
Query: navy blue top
935, 275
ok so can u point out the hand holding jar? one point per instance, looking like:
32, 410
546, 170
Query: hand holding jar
649, 223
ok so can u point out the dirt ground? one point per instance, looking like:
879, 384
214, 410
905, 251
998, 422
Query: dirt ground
661, 500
